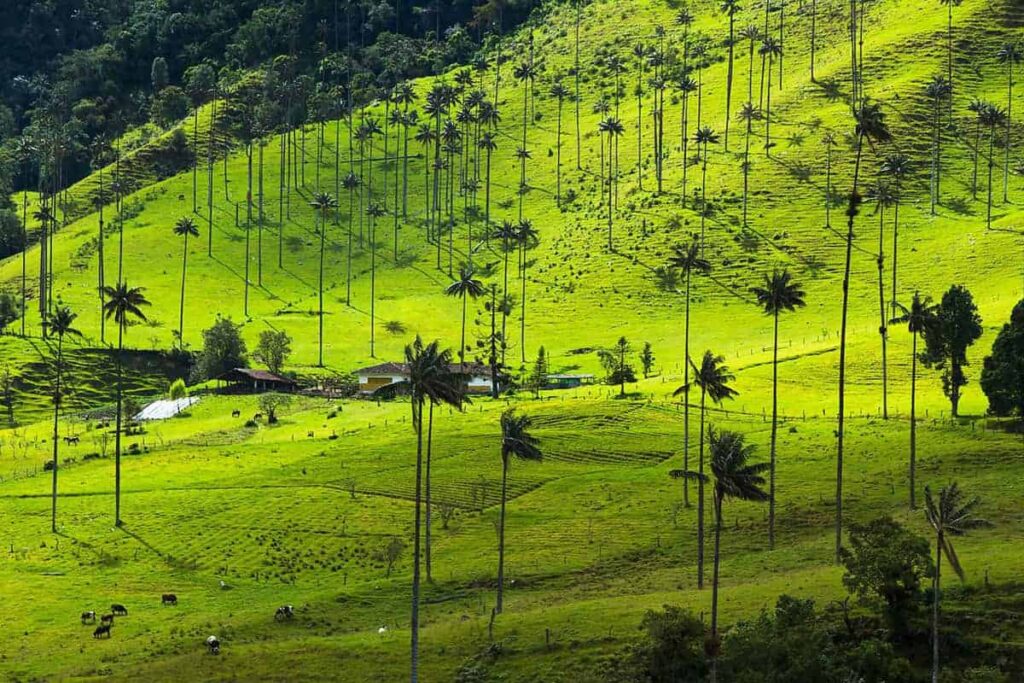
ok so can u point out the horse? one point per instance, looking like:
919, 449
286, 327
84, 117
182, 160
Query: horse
89, 617
284, 612
71, 440
119, 610
101, 631
168, 599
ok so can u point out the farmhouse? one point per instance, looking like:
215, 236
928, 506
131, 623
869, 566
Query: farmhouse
476, 377
245, 380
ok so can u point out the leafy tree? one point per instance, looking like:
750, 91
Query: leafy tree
617, 369
886, 561
60, 324
671, 650
273, 349
169, 106
538, 377
735, 477
271, 402
392, 552
918, 317
7, 393
223, 350
778, 294
516, 442
689, 260
10, 310
949, 515
465, 287
713, 378
184, 228
123, 304
178, 390
647, 359
158, 74
1002, 377
955, 326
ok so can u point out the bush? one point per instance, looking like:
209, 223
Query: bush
178, 390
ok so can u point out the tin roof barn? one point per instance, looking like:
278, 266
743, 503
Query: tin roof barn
243, 380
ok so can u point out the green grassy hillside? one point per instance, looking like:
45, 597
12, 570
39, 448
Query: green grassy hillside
596, 534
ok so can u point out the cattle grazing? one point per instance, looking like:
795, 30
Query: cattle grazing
71, 440
107, 619
101, 631
213, 645
236, 413
284, 612
89, 617
119, 610
257, 416
168, 599
309, 434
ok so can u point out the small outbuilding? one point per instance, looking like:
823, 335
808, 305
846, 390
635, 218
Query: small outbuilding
567, 381
476, 377
249, 380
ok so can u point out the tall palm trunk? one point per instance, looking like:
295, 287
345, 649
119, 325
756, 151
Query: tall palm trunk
417, 416
703, 195
728, 78
1009, 121
936, 589
714, 587
117, 423
685, 114
576, 74
913, 425
854, 200
895, 243
248, 224
501, 535
558, 163
991, 165
814, 35
768, 114
56, 439
882, 328
320, 290
181, 305
700, 496
427, 502
774, 441
686, 396
100, 267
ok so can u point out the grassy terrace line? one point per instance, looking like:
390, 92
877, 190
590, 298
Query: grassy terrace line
238, 520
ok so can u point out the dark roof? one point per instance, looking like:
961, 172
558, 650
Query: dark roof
256, 375
402, 368
384, 368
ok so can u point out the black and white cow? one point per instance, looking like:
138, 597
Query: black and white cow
284, 612
213, 645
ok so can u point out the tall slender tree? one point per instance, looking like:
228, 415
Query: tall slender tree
60, 324
779, 293
688, 259
870, 126
516, 442
124, 304
950, 4
993, 118
184, 228
896, 166
559, 92
1010, 56
713, 378
747, 114
704, 137
322, 204
730, 8
937, 90
917, 317
949, 516
465, 288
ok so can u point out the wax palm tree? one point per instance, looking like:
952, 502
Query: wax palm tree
896, 166
713, 378
976, 107
488, 143
323, 203
1010, 56
949, 48
525, 73
124, 304
612, 128
686, 87
516, 442
559, 92
778, 294
465, 287
688, 259
374, 211
405, 96
735, 476
730, 8
642, 53
950, 515
526, 237
184, 228
937, 90
704, 137
870, 126
883, 196
992, 117
429, 380
351, 185
748, 114
60, 324
752, 34
917, 318
770, 50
